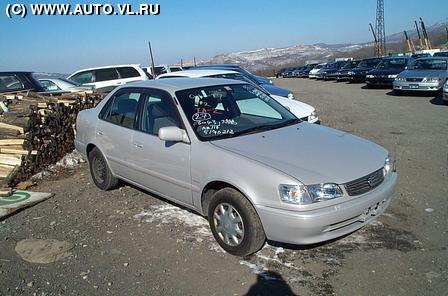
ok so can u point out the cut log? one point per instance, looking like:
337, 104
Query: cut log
11, 127
16, 151
8, 142
11, 160
5, 170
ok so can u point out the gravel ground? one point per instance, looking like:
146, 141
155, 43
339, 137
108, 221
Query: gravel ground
129, 242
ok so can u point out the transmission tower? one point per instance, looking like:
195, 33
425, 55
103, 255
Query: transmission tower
380, 45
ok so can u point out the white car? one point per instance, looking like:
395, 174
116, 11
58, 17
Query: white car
313, 73
51, 84
108, 77
162, 69
299, 109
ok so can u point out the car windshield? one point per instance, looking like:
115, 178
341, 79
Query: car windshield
368, 63
430, 64
350, 65
392, 63
224, 111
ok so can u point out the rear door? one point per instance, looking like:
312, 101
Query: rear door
115, 129
106, 79
129, 74
163, 167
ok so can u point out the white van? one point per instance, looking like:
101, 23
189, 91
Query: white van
108, 77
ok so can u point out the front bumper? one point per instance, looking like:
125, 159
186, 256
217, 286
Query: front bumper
380, 81
417, 86
314, 226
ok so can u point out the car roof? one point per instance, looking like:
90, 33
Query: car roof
175, 84
433, 58
16, 72
197, 73
104, 67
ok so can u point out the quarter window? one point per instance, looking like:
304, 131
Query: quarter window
123, 109
10, 83
128, 72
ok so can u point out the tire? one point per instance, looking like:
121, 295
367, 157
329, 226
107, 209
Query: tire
398, 92
249, 232
100, 172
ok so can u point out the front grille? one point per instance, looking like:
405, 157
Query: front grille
414, 79
364, 184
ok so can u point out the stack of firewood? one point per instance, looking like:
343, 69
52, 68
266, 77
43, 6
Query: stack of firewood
37, 132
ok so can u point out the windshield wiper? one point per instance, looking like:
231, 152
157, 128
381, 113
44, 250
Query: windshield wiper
266, 127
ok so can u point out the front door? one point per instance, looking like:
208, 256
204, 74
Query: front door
163, 167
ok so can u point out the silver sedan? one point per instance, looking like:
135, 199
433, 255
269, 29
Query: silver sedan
228, 151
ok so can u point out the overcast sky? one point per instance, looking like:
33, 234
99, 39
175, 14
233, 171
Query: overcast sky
200, 28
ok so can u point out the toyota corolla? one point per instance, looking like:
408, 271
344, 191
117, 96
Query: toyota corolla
228, 151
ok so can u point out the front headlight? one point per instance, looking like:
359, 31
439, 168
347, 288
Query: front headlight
370, 76
270, 81
392, 76
351, 73
389, 166
400, 79
313, 115
302, 195
294, 194
431, 79
291, 96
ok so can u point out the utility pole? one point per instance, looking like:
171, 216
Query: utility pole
418, 34
194, 60
374, 39
379, 29
152, 61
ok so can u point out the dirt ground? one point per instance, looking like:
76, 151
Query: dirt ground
129, 242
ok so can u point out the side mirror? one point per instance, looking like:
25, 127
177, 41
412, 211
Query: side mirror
173, 134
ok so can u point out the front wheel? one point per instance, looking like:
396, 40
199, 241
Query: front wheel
235, 223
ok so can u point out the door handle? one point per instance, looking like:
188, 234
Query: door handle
138, 145
99, 133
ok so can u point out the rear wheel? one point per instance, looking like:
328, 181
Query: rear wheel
101, 174
235, 223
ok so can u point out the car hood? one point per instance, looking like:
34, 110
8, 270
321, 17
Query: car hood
387, 71
310, 153
275, 90
299, 109
423, 73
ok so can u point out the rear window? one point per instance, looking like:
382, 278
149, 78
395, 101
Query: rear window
105, 74
128, 72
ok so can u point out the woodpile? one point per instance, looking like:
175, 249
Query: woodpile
36, 132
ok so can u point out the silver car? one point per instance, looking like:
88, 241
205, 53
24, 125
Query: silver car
426, 74
230, 152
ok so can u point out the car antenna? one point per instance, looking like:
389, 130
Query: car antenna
153, 69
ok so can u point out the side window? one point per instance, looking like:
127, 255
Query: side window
158, 112
49, 85
105, 74
128, 72
83, 77
10, 83
123, 109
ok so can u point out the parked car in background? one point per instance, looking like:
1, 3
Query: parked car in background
306, 70
269, 87
445, 92
358, 74
226, 150
342, 73
426, 74
12, 82
387, 70
104, 79
280, 73
299, 109
51, 84
259, 79
420, 55
161, 69
297, 71
330, 68
313, 73
442, 53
